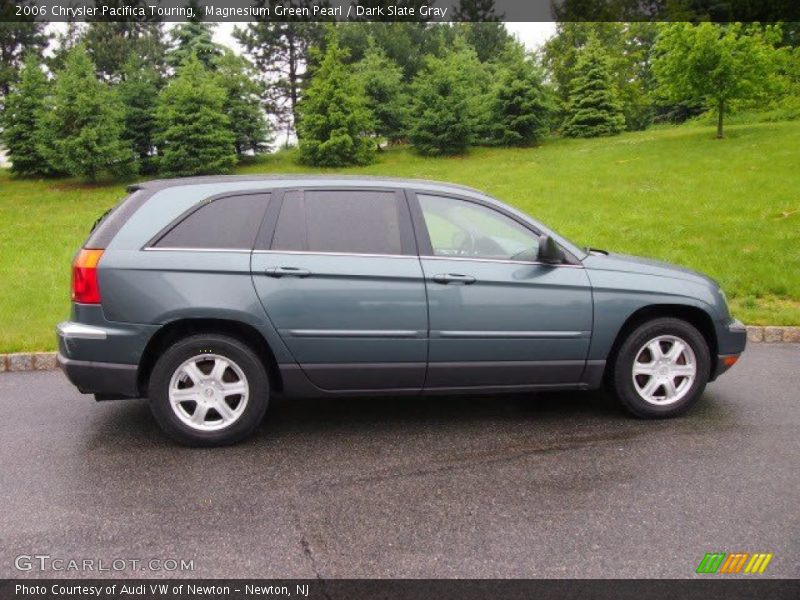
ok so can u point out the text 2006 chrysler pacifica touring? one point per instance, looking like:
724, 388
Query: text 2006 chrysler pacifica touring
208, 295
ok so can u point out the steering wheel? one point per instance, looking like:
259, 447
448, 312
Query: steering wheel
529, 254
464, 243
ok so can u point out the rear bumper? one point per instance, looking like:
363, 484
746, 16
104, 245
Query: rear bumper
107, 380
99, 357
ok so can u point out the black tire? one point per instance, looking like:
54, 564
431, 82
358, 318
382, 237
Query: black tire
622, 380
230, 349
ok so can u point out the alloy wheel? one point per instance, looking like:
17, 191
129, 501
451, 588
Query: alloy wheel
208, 392
664, 370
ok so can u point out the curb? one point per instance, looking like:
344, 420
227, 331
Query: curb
46, 361
28, 361
771, 334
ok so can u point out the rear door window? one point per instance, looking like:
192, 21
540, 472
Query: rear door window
229, 223
341, 221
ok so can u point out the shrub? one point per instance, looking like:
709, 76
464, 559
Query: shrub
382, 81
521, 105
194, 136
447, 113
593, 108
80, 132
20, 120
334, 119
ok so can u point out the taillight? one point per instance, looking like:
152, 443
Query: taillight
84, 277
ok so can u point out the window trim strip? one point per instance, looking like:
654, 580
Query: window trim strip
186, 249
419, 257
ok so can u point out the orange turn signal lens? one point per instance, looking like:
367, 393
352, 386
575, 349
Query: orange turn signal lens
729, 361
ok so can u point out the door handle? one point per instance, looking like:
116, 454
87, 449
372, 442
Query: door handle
286, 272
445, 278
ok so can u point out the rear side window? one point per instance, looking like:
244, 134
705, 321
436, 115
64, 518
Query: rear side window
229, 223
348, 221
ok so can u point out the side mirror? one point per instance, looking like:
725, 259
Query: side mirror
549, 252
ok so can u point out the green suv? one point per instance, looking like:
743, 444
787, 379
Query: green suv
209, 295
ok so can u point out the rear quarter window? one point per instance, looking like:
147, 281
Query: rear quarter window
109, 224
229, 223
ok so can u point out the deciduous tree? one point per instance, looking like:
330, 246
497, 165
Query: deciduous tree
714, 64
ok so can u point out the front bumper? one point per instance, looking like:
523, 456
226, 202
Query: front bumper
731, 342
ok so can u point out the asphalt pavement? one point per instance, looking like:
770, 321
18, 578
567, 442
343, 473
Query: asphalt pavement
555, 485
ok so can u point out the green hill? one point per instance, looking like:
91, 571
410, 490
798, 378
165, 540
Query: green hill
730, 208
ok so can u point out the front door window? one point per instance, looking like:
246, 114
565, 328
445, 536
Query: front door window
462, 229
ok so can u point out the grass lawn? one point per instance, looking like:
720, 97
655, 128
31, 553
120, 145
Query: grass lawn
730, 208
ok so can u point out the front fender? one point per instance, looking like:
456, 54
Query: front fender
617, 296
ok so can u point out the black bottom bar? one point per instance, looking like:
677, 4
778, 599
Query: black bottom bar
710, 588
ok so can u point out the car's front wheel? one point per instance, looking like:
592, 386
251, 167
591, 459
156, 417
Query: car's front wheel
661, 368
209, 390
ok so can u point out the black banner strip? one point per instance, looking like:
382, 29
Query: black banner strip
710, 588
765, 11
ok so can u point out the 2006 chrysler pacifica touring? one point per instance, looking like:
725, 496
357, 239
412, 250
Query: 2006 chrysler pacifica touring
208, 295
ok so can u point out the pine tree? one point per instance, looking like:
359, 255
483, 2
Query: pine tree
334, 118
20, 120
138, 92
447, 109
243, 103
194, 38
382, 81
80, 132
112, 43
521, 105
280, 50
194, 135
482, 27
593, 108
18, 37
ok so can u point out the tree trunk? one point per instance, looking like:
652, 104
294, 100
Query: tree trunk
293, 83
720, 112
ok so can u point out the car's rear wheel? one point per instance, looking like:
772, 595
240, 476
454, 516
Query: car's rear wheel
661, 368
209, 390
